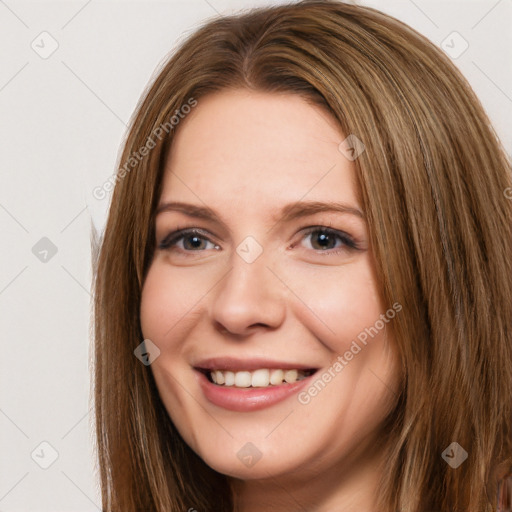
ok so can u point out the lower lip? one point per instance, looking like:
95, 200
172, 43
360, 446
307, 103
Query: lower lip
248, 399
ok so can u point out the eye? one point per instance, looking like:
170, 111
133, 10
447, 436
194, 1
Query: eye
196, 240
190, 240
324, 239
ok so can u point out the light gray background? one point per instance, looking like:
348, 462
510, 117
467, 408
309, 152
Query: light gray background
62, 120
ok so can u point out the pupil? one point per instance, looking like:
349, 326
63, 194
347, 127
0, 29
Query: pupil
196, 242
324, 240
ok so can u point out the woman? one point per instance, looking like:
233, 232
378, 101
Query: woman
241, 361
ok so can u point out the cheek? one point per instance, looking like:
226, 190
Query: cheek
334, 303
165, 313
167, 302
343, 302
160, 308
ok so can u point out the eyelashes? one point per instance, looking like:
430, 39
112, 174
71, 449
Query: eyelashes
170, 240
200, 238
347, 241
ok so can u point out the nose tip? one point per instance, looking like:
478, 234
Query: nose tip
249, 296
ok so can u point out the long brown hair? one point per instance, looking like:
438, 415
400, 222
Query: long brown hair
432, 178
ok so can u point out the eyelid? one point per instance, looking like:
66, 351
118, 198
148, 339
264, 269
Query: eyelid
174, 236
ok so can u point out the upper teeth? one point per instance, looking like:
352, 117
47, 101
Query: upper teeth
258, 378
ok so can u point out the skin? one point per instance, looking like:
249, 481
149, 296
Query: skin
246, 155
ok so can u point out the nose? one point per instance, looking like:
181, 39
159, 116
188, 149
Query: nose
248, 297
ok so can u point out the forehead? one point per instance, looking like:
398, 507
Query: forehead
257, 149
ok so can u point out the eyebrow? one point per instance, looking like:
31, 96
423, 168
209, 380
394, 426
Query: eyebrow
288, 213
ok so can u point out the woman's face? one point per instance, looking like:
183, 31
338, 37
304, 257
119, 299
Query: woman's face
275, 279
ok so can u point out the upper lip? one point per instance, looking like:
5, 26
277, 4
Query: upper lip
253, 363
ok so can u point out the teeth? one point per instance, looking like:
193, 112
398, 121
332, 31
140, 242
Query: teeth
290, 376
276, 377
261, 378
229, 378
242, 379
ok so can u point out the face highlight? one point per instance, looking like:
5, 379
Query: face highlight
262, 253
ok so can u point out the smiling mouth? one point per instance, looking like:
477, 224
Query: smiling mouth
260, 378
